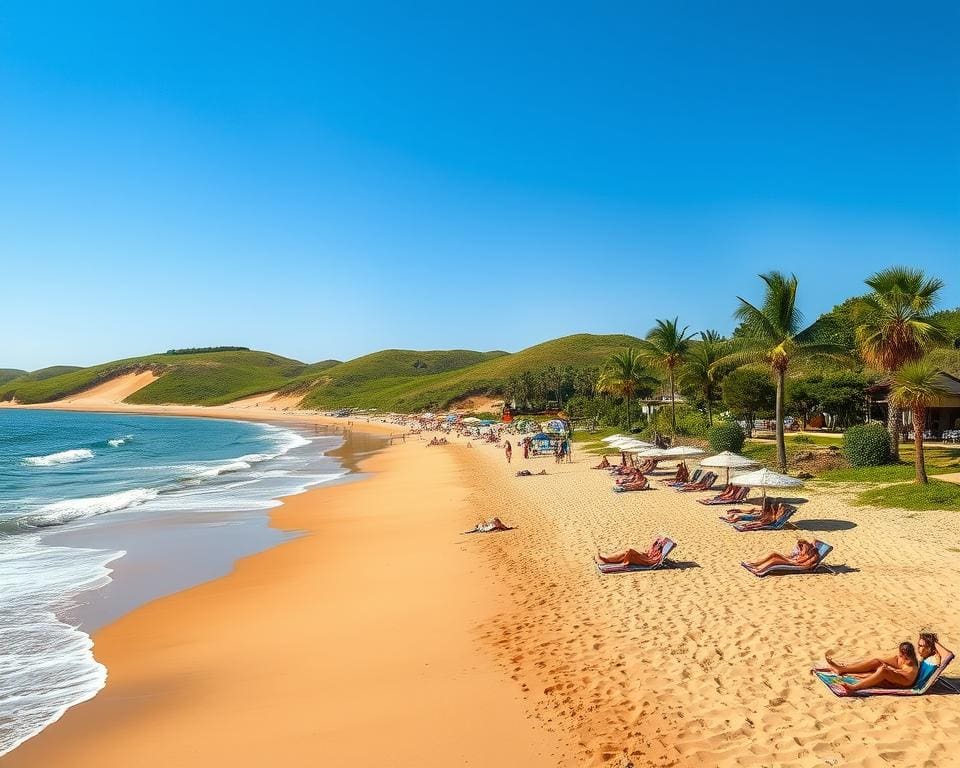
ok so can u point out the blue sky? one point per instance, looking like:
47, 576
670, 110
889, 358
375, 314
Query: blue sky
328, 182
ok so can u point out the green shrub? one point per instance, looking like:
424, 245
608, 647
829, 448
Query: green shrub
866, 445
726, 436
690, 422
804, 439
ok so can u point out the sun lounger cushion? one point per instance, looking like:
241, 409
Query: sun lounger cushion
930, 673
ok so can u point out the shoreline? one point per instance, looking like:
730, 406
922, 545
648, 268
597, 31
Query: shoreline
188, 635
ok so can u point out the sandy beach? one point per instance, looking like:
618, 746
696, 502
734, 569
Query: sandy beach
383, 637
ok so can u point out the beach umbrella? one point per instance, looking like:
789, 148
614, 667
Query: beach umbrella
613, 438
634, 445
767, 478
471, 420
653, 453
728, 460
683, 450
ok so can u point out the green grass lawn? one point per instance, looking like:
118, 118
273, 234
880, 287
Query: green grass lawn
933, 496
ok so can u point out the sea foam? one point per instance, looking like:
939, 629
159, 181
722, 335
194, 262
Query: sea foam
63, 457
60, 512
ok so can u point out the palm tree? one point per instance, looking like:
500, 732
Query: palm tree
893, 327
623, 375
666, 347
916, 385
698, 372
773, 333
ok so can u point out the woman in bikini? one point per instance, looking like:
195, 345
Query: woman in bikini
633, 557
804, 555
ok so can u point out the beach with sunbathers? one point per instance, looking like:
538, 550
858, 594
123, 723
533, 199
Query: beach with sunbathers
695, 663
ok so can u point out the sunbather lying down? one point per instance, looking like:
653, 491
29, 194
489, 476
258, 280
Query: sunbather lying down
489, 526
896, 670
762, 517
528, 473
804, 555
633, 557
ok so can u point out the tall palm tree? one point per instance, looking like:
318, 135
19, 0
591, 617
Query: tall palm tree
666, 347
624, 375
916, 385
773, 333
893, 326
698, 371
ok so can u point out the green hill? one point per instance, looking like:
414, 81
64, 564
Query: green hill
9, 374
205, 378
384, 380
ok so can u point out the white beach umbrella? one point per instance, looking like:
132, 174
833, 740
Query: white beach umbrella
634, 445
613, 438
683, 450
767, 478
728, 460
653, 453
471, 420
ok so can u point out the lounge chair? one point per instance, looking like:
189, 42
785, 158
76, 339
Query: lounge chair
705, 483
823, 549
668, 546
782, 521
693, 478
737, 495
929, 676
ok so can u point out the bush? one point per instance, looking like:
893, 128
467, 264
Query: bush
866, 445
690, 423
726, 436
805, 439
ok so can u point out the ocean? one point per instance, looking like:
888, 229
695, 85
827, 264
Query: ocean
100, 513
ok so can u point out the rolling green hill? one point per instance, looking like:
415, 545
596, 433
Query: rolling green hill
9, 374
373, 382
206, 378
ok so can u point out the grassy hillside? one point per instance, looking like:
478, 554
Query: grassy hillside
9, 374
209, 378
367, 383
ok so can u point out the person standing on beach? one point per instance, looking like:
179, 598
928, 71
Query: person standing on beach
526, 447
509, 451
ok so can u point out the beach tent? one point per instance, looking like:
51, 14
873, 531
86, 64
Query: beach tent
767, 478
728, 460
556, 427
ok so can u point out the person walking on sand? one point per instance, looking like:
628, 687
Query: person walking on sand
508, 450
526, 448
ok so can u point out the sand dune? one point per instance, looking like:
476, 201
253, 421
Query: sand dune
115, 390
270, 401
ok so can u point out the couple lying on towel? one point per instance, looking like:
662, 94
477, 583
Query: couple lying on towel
528, 473
805, 555
896, 670
489, 526
632, 557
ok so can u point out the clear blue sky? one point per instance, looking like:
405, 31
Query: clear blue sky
325, 183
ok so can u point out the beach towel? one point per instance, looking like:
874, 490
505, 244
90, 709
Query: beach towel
608, 568
823, 549
930, 673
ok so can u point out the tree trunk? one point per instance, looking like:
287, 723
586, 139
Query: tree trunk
709, 410
673, 405
781, 444
893, 427
919, 417
628, 412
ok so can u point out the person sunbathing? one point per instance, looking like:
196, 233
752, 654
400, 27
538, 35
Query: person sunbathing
489, 526
804, 555
683, 474
748, 515
528, 473
640, 484
898, 671
629, 477
604, 464
727, 493
632, 557
928, 647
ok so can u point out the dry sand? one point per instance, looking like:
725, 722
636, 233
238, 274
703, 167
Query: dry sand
384, 638
114, 390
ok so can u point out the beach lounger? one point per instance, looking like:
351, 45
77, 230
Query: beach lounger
608, 568
735, 498
628, 487
693, 478
705, 483
776, 525
929, 676
822, 547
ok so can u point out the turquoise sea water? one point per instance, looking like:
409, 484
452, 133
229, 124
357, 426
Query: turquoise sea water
83, 494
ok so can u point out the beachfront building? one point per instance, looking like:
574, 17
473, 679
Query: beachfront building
943, 417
